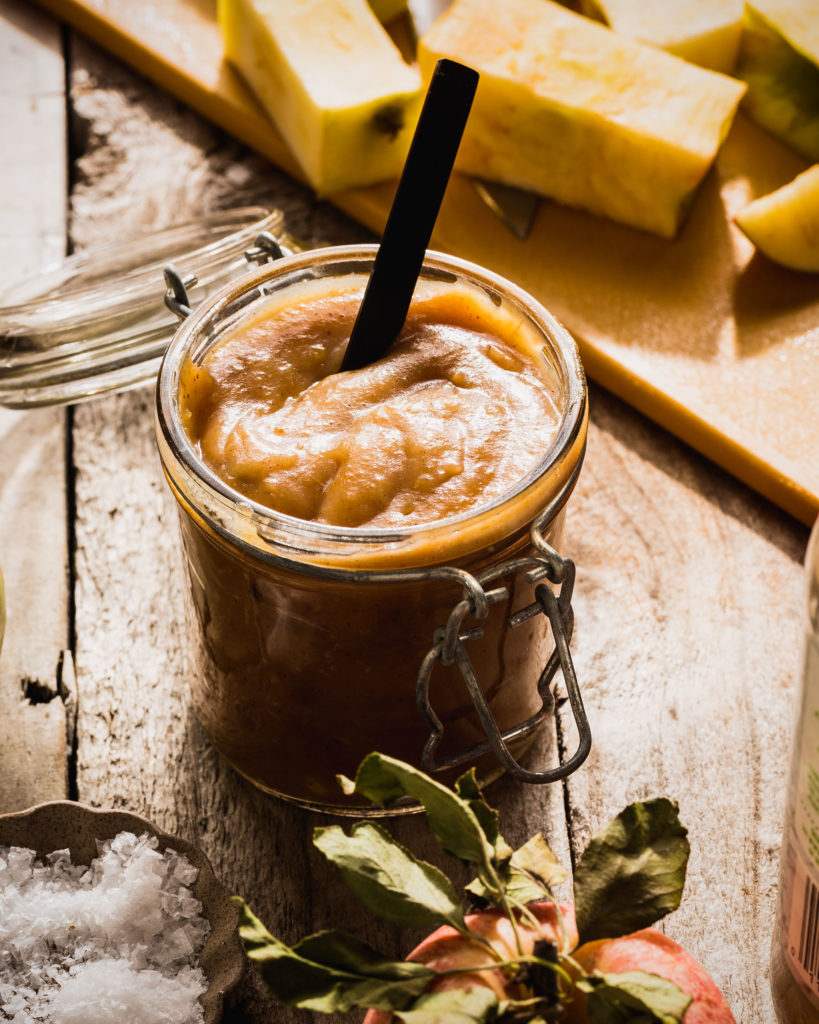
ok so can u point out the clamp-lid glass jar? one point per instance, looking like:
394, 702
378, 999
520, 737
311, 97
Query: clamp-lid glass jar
316, 644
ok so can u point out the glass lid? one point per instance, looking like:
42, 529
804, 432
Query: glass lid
97, 321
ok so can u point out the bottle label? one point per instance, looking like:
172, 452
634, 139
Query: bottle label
800, 895
802, 940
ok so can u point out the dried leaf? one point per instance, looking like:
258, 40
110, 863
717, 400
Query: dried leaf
529, 875
467, 789
388, 879
633, 998
385, 780
330, 972
454, 1006
632, 873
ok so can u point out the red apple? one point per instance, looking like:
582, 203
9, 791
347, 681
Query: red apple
651, 951
647, 950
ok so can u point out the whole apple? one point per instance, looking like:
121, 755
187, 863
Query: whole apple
647, 950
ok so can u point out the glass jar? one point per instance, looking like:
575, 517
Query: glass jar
795, 953
308, 638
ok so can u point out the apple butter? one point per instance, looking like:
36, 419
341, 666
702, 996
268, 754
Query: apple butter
453, 417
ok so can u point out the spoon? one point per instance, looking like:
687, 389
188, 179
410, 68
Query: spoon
413, 213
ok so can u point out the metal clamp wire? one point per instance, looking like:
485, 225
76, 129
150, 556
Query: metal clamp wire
449, 646
176, 295
266, 248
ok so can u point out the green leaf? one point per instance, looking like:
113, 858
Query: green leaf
253, 933
634, 997
330, 972
529, 875
385, 780
388, 879
454, 1006
632, 873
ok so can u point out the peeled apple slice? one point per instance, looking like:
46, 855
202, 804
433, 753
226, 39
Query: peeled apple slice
779, 59
705, 32
332, 81
785, 224
569, 109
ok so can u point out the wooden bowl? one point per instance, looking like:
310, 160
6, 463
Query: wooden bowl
64, 824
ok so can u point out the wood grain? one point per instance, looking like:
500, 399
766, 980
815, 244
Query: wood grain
33, 538
686, 603
688, 638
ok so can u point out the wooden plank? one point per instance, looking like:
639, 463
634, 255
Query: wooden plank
688, 636
33, 538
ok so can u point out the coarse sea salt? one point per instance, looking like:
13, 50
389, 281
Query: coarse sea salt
113, 942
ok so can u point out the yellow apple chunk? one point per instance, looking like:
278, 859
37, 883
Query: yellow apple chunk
571, 110
779, 61
784, 225
333, 82
705, 32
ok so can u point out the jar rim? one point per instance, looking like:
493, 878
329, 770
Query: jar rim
563, 356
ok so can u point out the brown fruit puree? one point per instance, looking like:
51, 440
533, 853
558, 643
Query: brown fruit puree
451, 418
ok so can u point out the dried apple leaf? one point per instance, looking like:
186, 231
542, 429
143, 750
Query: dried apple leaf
385, 780
634, 997
454, 1006
388, 879
529, 875
632, 873
330, 972
467, 789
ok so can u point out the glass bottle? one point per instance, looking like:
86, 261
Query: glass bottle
795, 954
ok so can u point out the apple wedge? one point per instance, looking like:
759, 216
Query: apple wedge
784, 225
333, 82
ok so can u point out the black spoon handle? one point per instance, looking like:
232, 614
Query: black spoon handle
412, 217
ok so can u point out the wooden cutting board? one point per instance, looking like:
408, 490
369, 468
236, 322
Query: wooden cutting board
709, 339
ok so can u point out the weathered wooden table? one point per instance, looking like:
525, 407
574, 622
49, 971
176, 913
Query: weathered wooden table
687, 599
